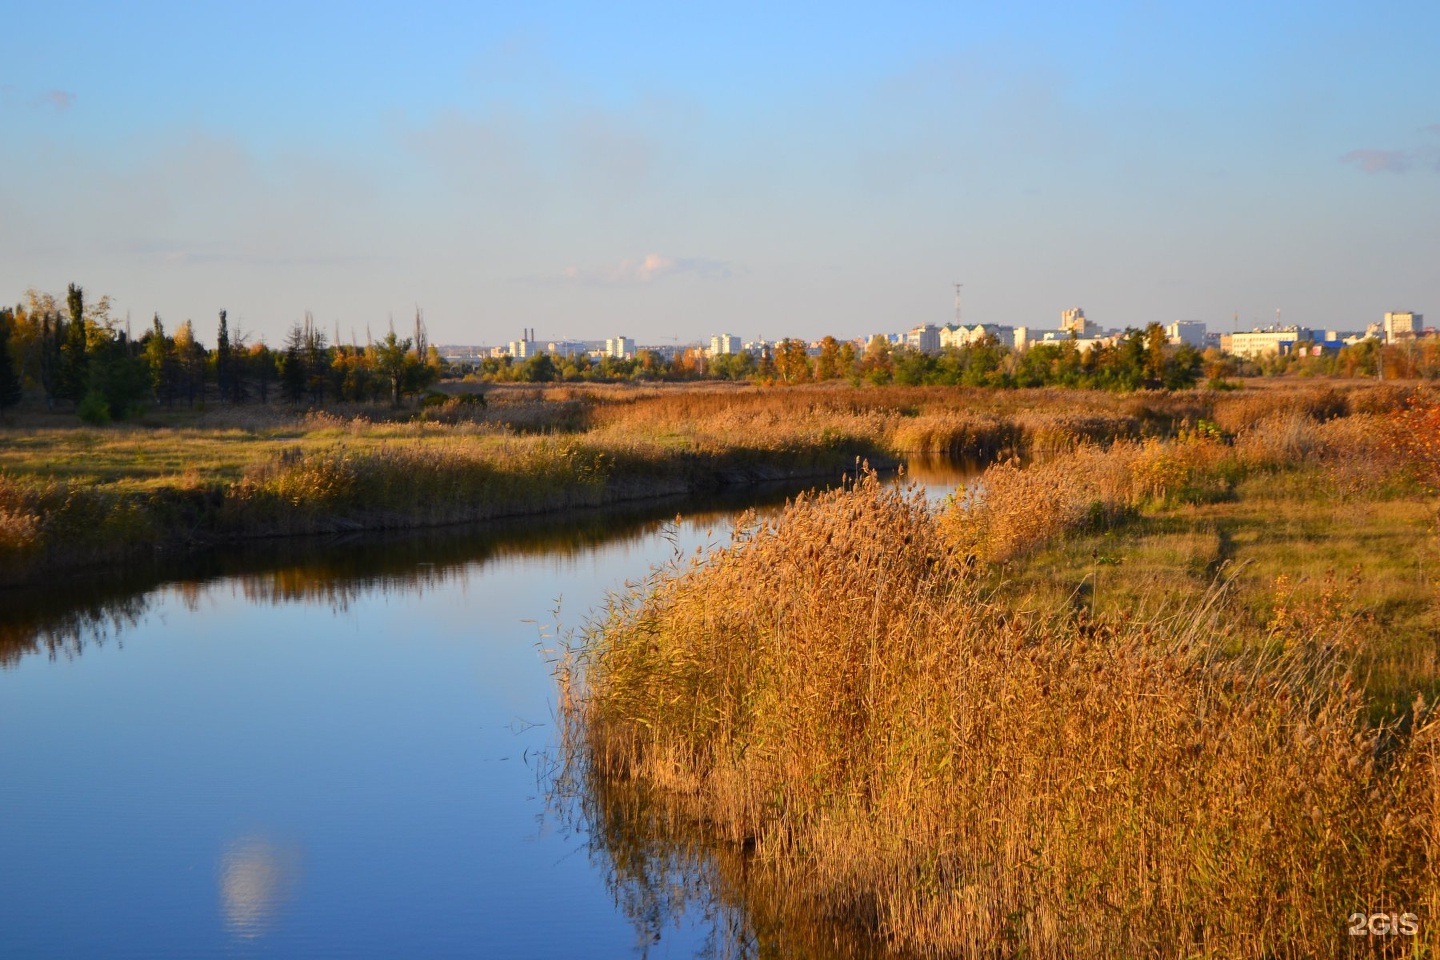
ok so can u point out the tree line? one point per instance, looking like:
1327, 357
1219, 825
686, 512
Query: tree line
1137, 359
76, 354
1410, 359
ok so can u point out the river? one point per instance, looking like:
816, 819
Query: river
329, 749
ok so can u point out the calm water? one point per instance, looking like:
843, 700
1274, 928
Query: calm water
329, 750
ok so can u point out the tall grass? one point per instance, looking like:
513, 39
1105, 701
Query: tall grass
86, 496
396, 486
908, 753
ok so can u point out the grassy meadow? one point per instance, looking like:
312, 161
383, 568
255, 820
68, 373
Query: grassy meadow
1165, 692
73, 495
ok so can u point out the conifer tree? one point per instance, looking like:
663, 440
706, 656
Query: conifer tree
10, 389
293, 373
52, 332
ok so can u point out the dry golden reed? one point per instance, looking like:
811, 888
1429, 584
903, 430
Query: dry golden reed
911, 755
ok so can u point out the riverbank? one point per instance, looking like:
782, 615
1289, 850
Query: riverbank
79, 496
1166, 697
74, 497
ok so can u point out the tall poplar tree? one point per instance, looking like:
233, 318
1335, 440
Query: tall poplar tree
164, 364
74, 351
52, 332
224, 362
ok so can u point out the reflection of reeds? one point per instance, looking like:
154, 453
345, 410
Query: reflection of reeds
907, 752
68, 631
665, 871
335, 571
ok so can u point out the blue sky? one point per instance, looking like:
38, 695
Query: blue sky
641, 169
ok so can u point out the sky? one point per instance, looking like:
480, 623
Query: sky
766, 170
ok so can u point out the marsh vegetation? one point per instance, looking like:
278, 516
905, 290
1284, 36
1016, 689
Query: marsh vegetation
72, 496
1148, 694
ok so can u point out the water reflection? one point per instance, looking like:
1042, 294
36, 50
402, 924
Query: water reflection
941, 474
256, 878
666, 874
61, 621
402, 742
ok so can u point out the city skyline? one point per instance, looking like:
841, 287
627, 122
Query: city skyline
659, 173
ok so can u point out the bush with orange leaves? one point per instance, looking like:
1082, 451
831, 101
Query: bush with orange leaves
1415, 436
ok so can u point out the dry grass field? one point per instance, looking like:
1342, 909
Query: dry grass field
1162, 695
72, 495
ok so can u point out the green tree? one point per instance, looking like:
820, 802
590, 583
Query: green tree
119, 378
574, 367
765, 369
163, 362
75, 348
539, 369
390, 362
190, 356
51, 361
733, 366
1182, 368
981, 363
263, 369
10, 386
293, 375
911, 367
317, 360
224, 361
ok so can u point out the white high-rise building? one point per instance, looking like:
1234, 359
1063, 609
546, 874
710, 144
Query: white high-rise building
724, 343
1073, 321
620, 347
1191, 332
525, 346
924, 338
1402, 325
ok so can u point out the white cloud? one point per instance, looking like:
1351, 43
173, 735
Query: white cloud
650, 268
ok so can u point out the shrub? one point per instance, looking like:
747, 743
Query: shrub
94, 409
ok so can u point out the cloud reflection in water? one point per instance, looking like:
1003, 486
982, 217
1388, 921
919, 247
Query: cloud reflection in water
256, 878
